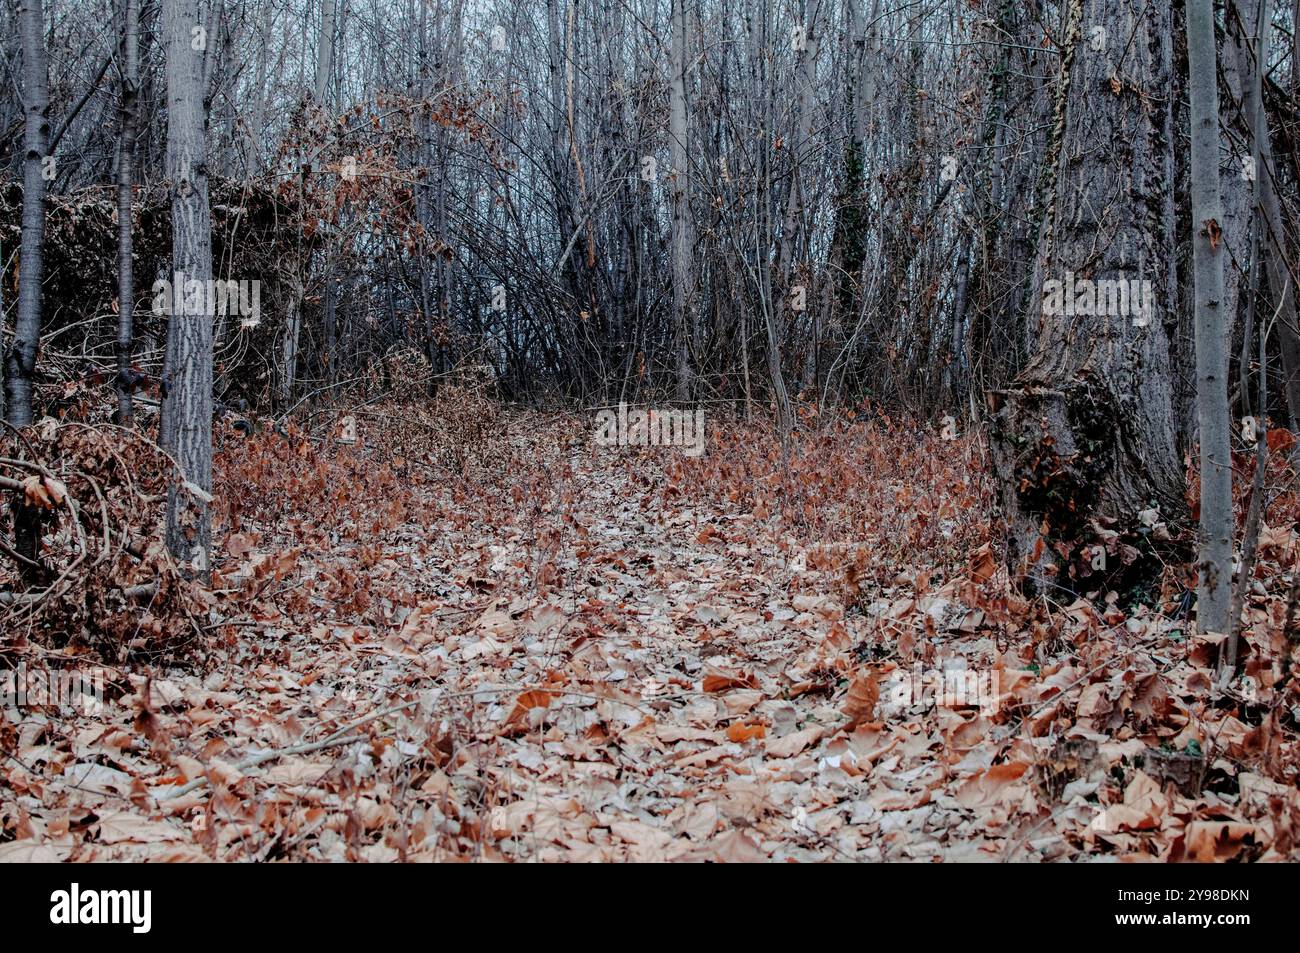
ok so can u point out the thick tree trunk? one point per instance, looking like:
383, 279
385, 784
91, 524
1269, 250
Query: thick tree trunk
1213, 326
1084, 438
187, 408
125, 166
21, 360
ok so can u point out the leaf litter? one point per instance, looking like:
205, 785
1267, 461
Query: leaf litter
565, 652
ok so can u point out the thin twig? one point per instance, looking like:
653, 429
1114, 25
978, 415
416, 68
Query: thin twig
262, 758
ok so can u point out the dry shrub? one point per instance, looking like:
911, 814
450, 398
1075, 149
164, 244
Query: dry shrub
402, 375
461, 430
309, 493
407, 373
105, 581
470, 426
871, 495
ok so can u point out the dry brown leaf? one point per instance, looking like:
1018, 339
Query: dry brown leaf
792, 744
740, 732
999, 783
1212, 841
721, 683
44, 492
860, 703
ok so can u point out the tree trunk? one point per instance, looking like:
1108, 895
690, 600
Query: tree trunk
1284, 295
257, 118
293, 321
21, 360
1213, 326
1084, 437
3, 311
1237, 186
683, 279
324, 73
187, 407
792, 220
125, 159
1274, 243
325, 52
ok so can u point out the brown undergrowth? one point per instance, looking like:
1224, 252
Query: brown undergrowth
554, 650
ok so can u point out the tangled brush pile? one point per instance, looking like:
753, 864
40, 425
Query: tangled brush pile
88, 569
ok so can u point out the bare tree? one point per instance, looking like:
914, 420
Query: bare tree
1084, 438
21, 360
1213, 326
683, 277
325, 50
187, 406
129, 124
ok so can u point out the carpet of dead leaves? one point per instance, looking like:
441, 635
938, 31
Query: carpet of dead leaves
551, 650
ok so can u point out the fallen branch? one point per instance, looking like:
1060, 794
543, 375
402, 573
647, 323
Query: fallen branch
26, 598
342, 736
262, 758
339, 736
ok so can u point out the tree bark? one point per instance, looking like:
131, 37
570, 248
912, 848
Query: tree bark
792, 223
1083, 439
293, 321
1275, 257
1237, 186
324, 73
125, 166
187, 406
683, 277
257, 120
21, 360
1213, 327
325, 52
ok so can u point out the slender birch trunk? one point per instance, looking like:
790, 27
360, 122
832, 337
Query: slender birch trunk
21, 359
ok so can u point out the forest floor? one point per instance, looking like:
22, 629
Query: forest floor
575, 652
